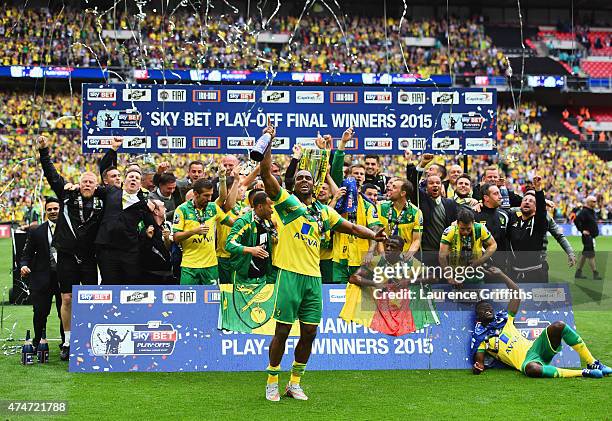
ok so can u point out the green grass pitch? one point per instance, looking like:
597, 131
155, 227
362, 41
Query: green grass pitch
354, 395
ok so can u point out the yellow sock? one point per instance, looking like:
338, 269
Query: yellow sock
297, 370
564, 372
584, 352
273, 374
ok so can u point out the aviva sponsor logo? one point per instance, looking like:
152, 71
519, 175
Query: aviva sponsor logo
306, 234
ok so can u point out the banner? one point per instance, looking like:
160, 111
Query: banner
229, 119
605, 230
174, 328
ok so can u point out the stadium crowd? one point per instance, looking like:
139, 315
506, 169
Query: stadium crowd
185, 40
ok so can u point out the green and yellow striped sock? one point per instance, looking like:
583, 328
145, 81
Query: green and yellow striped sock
573, 339
551, 372
273, 373
297, 371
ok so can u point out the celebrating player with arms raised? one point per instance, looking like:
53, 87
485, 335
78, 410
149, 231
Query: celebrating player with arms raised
302, 223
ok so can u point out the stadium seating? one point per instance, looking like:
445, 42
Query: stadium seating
597, 68
183, 40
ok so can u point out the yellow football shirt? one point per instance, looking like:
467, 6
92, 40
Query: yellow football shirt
367, 217
224, 230
401, 222
198, 250
510, 347
300, 229
459, 245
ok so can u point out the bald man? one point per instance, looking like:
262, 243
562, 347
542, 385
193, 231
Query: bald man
586, 222
75, 233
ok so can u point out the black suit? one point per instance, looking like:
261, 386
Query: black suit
117, 241
36, 256
427, 204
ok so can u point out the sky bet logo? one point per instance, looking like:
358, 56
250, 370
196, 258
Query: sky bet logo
96, 297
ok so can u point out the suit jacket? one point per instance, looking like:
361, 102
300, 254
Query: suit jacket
119, 227
426, 203
36, 256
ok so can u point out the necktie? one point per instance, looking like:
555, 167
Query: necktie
52, 250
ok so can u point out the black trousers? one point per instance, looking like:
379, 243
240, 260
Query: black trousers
537, 275
42, 298
119, 267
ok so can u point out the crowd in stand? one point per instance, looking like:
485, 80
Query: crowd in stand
182, 39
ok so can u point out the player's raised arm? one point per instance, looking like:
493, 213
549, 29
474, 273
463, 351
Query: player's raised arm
515, 301
359, 231
270, 183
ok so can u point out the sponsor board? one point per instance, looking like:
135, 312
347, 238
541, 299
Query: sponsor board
172, 95
101, 142
309, 97
377, 97
101, 94
137, 296
443, 98
136, 142
479, 144
118, 119
206, 142
277, 97
412, 143
306, 142
475, 98
307, 77
352, 144
382, 143
282, 143
337, 295
137, 95
152, 338
171, 142
344, 97
446, 144
240, 142
95, 296
549, 295
240, 95
531, 327
462, 121
207, 95
411, 97
179, 296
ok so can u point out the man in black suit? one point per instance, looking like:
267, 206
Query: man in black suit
438, 212
39, 265
117, 241
155, 243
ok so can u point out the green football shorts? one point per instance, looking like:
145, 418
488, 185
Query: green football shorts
541, 351
199, 276
298, 297
327, 271
225, 270
342, 272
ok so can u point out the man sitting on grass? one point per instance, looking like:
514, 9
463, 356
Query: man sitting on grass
496, 335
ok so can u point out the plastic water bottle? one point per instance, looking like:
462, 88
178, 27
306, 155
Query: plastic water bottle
42, 352
505, 197
27, 351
